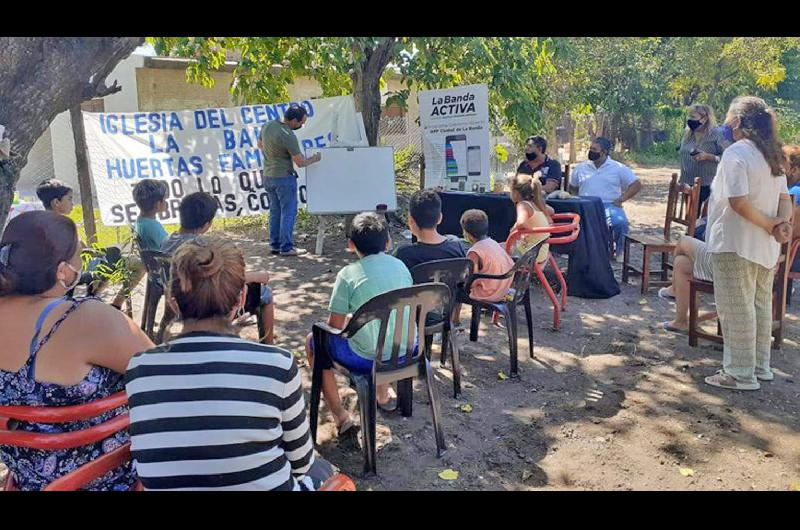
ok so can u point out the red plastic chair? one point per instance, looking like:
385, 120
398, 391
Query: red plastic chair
568, 226
338, 482
51, 442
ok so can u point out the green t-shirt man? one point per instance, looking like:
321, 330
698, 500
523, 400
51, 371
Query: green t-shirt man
280, 146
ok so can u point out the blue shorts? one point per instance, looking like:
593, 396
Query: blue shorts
341, 353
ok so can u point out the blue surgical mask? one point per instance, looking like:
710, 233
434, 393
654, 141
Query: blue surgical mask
727, 132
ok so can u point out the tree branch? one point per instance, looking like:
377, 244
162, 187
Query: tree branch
104, 90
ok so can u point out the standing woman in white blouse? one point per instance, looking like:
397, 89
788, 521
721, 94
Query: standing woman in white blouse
748, 220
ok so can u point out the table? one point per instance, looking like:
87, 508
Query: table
587, 276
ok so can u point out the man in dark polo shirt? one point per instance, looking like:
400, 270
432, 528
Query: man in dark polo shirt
281, 149
537, 160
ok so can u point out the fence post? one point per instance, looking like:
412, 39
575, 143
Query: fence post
82, 166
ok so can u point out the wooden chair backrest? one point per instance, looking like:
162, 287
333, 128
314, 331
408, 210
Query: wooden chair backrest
682, 206
565, 178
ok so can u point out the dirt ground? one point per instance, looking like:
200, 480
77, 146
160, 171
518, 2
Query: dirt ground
610, 402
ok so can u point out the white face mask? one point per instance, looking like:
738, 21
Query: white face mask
75, 282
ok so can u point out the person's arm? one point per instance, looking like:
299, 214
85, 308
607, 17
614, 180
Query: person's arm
783, 231
630, 192
295, 438
550, 185
256, 277
745, 208
117, 338
335, 320
522, 216
301, 161
476, 261
631, 184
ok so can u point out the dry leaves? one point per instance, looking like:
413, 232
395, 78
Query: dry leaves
686, 471
466, 408
502, 375
448, 474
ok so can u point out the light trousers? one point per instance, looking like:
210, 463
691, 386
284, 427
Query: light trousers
743, 294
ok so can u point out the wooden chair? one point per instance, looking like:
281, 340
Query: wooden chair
790, 275
779, 295
682, 209
90, 471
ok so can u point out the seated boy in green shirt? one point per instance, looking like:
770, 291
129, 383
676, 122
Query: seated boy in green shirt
373, 274
150, 196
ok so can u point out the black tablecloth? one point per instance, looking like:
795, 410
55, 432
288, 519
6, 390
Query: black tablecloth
589, 273
498, 207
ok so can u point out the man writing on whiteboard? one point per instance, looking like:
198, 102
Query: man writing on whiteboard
280, 147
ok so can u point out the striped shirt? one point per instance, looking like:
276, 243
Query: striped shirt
712, 143
218, 412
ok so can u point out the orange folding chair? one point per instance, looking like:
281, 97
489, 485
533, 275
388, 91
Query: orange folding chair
55, 441
568, 227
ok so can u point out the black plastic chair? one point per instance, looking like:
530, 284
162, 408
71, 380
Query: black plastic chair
416, 301
454, 273
157, 264
523, 273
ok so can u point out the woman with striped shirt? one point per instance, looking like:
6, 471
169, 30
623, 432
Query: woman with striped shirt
210, 410
701, 148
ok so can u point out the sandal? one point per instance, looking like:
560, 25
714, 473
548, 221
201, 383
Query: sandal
664, 295
389, 406
667, 327
723, 380
346, 426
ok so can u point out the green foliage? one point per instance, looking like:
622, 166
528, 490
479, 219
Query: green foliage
501, 152
620, 87
406, 170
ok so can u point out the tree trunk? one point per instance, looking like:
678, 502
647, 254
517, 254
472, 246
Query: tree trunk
82, 165
367, 85
646, 139
573, 149
43, 77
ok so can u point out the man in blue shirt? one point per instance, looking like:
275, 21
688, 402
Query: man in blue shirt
614, 183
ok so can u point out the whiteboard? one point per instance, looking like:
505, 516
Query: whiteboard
351, 180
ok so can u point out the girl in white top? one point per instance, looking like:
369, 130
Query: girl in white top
749, 218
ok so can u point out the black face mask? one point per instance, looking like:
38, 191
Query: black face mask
693, 124
593, 155
530, 156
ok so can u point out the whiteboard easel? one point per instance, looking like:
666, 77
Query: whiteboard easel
340, 142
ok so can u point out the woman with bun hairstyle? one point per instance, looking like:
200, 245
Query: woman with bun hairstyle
208, 409
57, 351
748, 220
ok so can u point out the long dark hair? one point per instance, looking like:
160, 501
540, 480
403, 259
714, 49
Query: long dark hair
33, 245
758, 124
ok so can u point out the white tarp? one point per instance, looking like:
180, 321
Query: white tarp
212, 150
455, 123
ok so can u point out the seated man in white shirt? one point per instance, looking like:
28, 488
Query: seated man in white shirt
614, 183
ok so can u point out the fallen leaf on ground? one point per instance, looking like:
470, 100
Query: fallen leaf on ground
768, 455
526, 475
448, 474
502, 376
466, 408
642, 301
686, 471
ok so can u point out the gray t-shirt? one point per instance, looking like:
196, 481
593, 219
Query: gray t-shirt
280, 144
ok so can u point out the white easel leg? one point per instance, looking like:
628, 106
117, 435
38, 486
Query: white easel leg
320, 234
